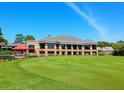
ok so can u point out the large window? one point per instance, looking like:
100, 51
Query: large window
80, 47
74, 46
94, 47
57, 46
87, 47
42, 46
63, 46
68, 46
51, 46
32, 48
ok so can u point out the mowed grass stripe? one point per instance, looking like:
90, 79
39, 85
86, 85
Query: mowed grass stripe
14, 77
67, 72
87, 72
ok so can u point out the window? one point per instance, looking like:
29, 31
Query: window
50, 45
74, 46
42, 52
80, 53
50, 53
69, 53
57, 46
42, 46
32, 48
63, 46
63, 52
87, 47
94, 47
68, 46
80, 47
74, 53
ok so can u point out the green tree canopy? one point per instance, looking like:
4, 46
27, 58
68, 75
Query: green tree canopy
104, 43
1, 32
120, 41
2, 39
20, 38
29, 37
119, 45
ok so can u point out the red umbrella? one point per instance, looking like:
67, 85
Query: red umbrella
20, 47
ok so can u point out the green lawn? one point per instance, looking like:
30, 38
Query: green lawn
67, 72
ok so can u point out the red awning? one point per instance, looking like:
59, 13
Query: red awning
20, 47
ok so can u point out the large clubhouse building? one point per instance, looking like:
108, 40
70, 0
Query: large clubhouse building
62, 45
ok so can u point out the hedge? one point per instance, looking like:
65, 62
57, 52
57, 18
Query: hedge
4, 57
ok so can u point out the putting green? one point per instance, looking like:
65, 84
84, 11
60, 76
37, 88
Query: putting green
66, 72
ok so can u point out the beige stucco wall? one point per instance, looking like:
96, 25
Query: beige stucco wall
36, 45
37, 49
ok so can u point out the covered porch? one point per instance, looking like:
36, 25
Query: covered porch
21, 51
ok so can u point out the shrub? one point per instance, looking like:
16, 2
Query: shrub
6, 57
31, 56
101, 53
118, 53
7, 52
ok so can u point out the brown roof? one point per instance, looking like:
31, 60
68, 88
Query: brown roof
65, 39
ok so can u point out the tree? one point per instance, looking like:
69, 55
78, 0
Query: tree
120, 41
20, 38
29, 37
119, 48
104, 44
1, 34
2, 39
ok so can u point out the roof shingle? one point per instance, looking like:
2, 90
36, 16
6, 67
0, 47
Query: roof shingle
65, 39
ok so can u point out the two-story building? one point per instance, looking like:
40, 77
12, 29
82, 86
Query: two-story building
62, 45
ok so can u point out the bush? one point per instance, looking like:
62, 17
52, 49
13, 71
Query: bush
6, 57
7, 52
101, 53
118, 53
31, 56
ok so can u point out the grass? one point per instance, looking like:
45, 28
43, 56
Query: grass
66, 72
